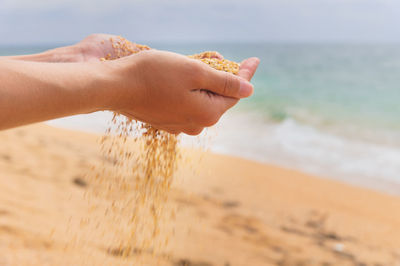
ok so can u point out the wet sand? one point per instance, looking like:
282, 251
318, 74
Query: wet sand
230, 211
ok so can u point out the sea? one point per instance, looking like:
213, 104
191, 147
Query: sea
332, 110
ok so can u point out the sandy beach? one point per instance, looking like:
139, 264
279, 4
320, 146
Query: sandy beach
231, 211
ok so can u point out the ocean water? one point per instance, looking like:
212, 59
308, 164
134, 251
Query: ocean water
327, 109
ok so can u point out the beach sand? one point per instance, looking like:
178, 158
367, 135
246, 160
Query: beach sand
231, 211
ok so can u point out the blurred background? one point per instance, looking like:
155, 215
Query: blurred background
327, 90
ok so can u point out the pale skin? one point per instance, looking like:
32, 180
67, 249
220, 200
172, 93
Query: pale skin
167, 90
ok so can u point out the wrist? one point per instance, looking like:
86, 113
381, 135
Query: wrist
85, 86
120, 84
57, 55
97, 93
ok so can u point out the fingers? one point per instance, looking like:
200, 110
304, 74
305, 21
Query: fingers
229, 88
212, 54
216, 55
210, 107
248, 67
227, 84
221, 104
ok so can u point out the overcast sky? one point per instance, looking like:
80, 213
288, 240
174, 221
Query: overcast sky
66, 21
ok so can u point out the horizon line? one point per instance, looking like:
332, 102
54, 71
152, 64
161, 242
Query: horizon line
338, 42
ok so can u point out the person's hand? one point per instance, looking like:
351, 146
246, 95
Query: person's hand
175, 93
97, 46
90, 49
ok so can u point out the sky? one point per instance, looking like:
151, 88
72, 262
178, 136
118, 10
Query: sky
68, 21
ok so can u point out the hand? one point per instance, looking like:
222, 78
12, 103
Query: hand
97, 46
90, 49
175, 93
169, 91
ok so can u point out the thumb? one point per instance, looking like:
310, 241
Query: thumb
227, 84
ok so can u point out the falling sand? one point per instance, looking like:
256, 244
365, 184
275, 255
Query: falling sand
140, 162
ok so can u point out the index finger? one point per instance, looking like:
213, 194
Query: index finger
229, 85
248, 67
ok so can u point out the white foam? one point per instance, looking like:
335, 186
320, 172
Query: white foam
303, 147
288, 144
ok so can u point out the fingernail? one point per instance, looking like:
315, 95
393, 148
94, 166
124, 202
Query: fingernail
245, 89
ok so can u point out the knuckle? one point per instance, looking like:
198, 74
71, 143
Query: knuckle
196, 73
246, 74
208, 118
228, 84
197, 78
212, 122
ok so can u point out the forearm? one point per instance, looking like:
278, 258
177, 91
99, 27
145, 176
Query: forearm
32, 92
62, 54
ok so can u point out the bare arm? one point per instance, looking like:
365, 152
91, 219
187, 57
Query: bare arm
62, 54
160, 88
32, 92
90, 49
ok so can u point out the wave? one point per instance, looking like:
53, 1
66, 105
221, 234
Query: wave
306, 148
289, 143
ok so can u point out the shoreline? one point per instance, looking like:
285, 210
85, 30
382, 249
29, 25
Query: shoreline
215, 135
236, 211
373, 184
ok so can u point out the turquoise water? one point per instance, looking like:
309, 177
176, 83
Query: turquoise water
324, 85
327, 109
346, 89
